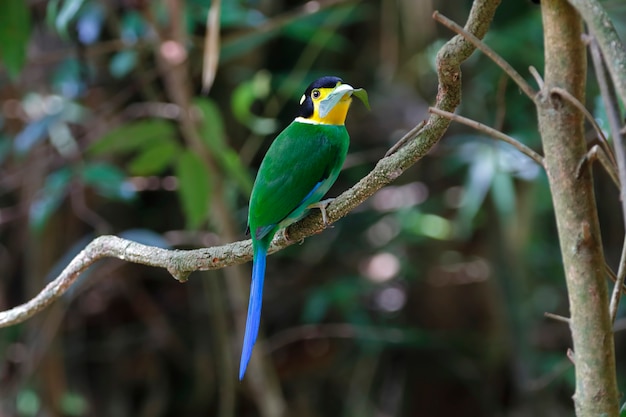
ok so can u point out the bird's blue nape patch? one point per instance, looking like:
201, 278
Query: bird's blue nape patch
254, 308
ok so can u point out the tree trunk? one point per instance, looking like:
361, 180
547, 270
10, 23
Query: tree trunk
561, 127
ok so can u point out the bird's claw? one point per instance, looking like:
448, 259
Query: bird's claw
321, 205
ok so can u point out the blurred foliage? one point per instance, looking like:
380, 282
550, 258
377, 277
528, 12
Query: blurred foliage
427, 300
15, 27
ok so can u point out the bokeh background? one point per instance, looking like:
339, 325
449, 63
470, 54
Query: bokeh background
427, 300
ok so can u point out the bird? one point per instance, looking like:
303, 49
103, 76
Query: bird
299, 168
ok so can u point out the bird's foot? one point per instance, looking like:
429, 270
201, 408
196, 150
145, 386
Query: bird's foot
321, 205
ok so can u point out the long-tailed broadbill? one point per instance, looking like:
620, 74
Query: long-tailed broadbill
299, 168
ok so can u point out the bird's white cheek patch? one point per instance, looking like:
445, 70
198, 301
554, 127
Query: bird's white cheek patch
300, 119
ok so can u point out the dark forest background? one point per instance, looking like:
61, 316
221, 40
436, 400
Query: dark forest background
428, 300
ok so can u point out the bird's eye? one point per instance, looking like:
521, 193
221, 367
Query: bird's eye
315, 94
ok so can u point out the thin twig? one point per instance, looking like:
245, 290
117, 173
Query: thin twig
610, 272
571, 355
619, 284
600, 25
576, 103
597, 153
613, 276
556, 317
497, 59
491, 132
411, 134
611, 107
536, 76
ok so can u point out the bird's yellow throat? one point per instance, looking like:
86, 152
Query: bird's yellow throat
336, 116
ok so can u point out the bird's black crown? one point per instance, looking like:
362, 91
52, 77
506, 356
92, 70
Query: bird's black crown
306, 106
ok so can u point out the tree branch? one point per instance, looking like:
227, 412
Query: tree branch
497, 59
180, 263
494, 133
604, 32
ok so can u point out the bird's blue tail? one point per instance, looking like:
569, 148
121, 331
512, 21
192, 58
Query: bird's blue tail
254, 307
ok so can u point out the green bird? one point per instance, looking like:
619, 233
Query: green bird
299, 168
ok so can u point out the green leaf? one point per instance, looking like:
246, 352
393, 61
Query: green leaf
212, 133
503, 195
234, 14
33, 133
52, 11
108, 180
212, 125
482, 170
123, 63
49, 198
245, 43
361, 94
73, 404
154, 160
133, 27
68, 78
90, 22
66, 14
27, 402
194, 188
622, 411
15, 26
133, 136
244, 97
328, 19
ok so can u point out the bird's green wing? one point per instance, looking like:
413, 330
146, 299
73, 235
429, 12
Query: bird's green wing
298, 169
